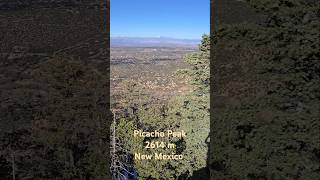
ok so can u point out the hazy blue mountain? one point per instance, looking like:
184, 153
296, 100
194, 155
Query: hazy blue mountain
152, 42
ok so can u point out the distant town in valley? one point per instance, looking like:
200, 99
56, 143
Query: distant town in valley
152, 62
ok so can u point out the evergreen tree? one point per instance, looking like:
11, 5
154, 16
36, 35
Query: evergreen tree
189, 113
56, 123
266, 124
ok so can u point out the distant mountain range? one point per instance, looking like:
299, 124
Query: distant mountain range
152, 42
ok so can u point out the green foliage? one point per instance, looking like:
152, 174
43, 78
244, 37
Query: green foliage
188, 112
62, 125
199, 72
266, 121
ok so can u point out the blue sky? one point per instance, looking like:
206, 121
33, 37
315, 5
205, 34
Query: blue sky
187, 19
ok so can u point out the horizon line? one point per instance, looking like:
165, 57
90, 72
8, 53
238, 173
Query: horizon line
120, 36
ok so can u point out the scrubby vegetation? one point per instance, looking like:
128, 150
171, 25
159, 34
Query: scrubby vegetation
54, 121
188, 112
265, 115
151, 68
53, 91
48, 119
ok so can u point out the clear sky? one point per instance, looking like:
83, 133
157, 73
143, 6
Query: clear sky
187, 19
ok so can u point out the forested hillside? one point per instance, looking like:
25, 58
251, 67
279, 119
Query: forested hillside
265, 94
263, 111
53, 90
188, 112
